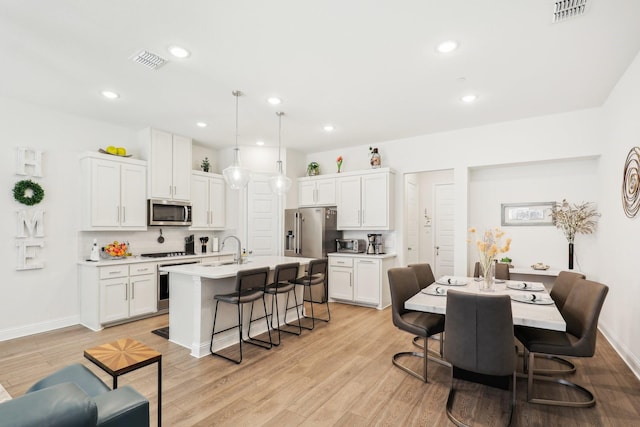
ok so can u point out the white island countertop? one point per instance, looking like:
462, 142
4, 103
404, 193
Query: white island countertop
222, 270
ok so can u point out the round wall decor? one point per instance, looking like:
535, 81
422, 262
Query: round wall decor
28, 192
631, 183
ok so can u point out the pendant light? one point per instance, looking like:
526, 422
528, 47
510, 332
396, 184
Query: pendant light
236, 176
279, 183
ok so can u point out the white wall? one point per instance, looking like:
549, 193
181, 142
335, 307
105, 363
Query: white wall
43, 299
541, 139
574, 180
617, 237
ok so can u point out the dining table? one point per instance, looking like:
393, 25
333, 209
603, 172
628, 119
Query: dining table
531, 304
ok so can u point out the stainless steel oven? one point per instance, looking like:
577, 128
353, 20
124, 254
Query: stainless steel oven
163, 283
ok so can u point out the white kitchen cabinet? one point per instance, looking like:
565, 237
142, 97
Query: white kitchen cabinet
208, 201
365, 201
360, 279
116, 293
341, 278
113, 193
169, 164
314, 191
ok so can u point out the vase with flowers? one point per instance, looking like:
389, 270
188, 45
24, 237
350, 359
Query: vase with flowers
574, 219
489, 245
339, 163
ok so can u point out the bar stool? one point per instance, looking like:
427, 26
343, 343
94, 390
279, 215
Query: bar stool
250, 286
316, 276
283, 283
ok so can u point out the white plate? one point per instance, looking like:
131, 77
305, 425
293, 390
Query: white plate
498, 281
451, 281
435, 290
532, 299
526, 286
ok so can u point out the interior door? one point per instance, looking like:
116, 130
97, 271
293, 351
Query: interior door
443, 213
412, 226
263, 218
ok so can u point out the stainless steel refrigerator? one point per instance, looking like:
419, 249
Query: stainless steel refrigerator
311, 233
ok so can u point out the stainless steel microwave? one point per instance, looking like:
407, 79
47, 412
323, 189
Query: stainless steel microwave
169, 212
350, 245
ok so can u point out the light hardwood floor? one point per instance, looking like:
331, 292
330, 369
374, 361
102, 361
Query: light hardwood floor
339, 374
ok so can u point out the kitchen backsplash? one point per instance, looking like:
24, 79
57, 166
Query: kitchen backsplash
388, 237
147, 241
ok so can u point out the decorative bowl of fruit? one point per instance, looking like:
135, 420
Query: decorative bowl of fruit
115, 250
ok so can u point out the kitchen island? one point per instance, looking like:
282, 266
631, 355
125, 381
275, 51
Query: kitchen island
192, 288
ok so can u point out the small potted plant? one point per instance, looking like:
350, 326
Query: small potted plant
205, 165
313, 169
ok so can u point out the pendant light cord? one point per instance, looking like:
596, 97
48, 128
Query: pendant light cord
237, 94
280, 114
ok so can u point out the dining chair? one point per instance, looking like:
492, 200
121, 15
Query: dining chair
562, 287
559, 292
249, 288
403, 284
424, 274
315, 277
425, 277
479, 331
581, 312
501, 272
284, 277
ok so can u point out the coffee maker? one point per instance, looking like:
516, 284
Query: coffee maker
375, 245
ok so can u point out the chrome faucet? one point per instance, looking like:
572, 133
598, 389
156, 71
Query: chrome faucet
238, 256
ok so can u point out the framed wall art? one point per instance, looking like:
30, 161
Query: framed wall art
527, 214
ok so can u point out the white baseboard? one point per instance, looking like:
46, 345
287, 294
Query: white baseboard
36, 328
627, 357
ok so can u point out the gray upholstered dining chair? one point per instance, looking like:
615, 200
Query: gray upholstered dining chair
425, 277
424, 274
502, 271
479, 331
403, 285
581, 312
562, 287
559, 292
249, 288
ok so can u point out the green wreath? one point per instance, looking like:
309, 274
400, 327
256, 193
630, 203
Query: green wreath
20, 190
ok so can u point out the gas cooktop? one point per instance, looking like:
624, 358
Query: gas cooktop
165, 254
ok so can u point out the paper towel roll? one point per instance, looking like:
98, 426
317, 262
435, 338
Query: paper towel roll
214, 245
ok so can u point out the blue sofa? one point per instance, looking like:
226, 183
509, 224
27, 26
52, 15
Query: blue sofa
75, 396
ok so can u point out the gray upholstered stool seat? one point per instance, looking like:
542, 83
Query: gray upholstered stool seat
249, 288
284, 278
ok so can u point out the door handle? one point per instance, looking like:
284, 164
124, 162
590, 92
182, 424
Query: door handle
124, 215
437, 250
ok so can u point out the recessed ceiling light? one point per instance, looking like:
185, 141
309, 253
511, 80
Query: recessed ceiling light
110, 94
447, 46
179, 52
260, 143
328, 128
274, 100
201, 124
469, 98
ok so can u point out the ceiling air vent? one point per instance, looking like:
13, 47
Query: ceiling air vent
565, 9
148, 59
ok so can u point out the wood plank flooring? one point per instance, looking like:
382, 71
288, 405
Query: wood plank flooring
339, 374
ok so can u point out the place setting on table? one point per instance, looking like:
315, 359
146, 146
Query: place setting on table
525, 292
